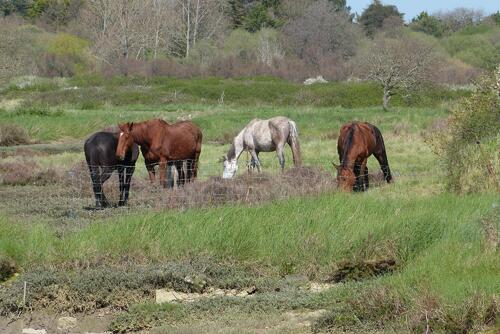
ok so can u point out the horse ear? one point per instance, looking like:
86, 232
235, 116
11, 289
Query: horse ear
130, 125
123, 127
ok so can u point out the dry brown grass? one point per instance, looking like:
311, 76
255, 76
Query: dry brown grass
24, 172
11, 134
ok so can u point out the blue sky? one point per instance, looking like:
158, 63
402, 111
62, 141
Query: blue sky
412, 8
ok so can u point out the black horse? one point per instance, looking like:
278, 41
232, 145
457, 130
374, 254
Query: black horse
100, 153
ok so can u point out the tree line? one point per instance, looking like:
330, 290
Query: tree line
293, 39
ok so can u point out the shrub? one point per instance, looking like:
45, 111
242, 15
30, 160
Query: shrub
11, 134
7, 268
469, 144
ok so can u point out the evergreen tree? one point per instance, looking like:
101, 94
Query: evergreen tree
373, 17
236, 13
428, 24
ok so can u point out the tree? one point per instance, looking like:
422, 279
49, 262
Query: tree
322, 30
397, 64
427, 24
236, 12
196, 20
374, 15
8, 7
259, 17
460, 18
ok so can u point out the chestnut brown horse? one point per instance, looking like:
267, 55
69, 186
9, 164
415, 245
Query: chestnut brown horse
357, 141
164, 144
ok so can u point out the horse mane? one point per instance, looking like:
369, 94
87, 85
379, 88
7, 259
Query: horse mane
347, 144
231, 154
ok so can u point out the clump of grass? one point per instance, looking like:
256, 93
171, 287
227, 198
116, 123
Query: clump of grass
24, 172
38, 110
357, 270
473, 315
12, 134
374, 307
7, 268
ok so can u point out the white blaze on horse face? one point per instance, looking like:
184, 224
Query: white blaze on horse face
230, 168
121, 134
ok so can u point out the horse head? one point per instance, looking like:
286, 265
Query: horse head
230, 167
125, 140
345, 177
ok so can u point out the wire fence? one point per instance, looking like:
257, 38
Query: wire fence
68, 192
209, 188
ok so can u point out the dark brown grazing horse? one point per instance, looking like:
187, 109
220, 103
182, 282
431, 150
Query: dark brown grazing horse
357, 141
164, 144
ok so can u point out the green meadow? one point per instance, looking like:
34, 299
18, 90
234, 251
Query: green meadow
403, 257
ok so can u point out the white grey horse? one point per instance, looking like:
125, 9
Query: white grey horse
263, 136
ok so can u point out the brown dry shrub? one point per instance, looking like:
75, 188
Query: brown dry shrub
252, 188
7, 268
249, 188
12, 134
26, 172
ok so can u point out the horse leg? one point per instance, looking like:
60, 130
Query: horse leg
96, 185
357, 172
181, 175
105, 175
190, 165
255, 158
364, 175
150, 167
121, 180
280, 152
381, 156
170, 175
367, 179
128, 178
163, 172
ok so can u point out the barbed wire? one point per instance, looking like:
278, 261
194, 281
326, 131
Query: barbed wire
68, 194
248, 186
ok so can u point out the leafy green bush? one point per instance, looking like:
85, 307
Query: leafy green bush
469, 145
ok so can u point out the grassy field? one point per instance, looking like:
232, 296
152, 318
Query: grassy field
405, 257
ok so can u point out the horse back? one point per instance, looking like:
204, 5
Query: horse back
181, 140
100, 150
356, 140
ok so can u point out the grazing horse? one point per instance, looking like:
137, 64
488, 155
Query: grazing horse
101, 159
357, 141
263, 136
164, 144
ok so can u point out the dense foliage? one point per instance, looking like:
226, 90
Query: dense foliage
470, 143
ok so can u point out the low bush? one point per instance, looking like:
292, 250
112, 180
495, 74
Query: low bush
11, 134
26, 172
469, 143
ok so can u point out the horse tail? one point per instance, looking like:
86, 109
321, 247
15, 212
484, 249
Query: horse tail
197, 153
381, 155
293, 141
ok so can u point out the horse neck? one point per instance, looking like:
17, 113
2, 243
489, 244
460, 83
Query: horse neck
348, 142
236, 147
140, 134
